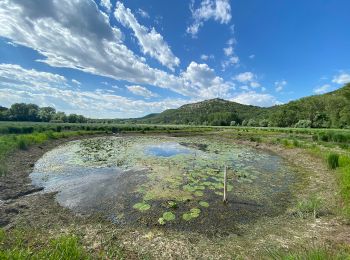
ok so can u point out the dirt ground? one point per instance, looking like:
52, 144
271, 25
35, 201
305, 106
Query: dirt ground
21, 204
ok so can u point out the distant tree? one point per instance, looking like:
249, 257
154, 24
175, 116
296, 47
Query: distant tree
4, 113
252, 122
264, 123
73, 118
59, 117
46, 113
24, 112
306, 123
320, 120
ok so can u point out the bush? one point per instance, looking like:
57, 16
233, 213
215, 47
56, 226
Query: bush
22, 144
333, 161
303, 124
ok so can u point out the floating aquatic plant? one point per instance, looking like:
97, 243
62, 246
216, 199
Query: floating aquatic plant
142, 206
168, 216
194, 213
204, 204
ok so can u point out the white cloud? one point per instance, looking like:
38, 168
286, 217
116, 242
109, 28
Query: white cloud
143, 13
256, 99
76, 82
341, 78
107, 5
201, 79
279, 85
251, 56
322, 89
87, 42
207, 57
151, 42
232, 58
141, 91
245, 77
46, 89
228, 51
249, 79
219, 10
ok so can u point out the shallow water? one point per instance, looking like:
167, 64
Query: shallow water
167, 149
135, 180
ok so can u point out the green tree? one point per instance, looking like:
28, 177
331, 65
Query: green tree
46, 113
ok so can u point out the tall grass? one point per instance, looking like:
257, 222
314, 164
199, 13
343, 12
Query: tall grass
333, 161
309, 206
343, 175
311, 253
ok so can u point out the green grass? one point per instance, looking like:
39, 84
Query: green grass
311, 253
333, 161
26, 244
18, 244
343, 176
309, 206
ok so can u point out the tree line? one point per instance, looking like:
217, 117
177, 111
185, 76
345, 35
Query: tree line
34, 113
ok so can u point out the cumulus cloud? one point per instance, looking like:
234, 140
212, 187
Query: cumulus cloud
151, 42
66, 38
279, 85
107, 5
219, 10
201, 79
245, 77
47, 89
341, 78
256, 99
322, 89
141, 91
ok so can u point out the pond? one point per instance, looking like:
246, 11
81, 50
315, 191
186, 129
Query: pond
168, 182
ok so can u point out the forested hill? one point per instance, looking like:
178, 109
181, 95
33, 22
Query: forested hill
327, 110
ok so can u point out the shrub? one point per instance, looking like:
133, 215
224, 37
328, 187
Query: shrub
333, 161
22, 144
303, 124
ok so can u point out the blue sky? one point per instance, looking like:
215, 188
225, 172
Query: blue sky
117, 59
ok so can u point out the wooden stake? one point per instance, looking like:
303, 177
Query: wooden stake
225, 185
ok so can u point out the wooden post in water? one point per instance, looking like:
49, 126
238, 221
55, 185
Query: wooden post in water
225, 185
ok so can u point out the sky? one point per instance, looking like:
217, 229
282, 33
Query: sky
121, 59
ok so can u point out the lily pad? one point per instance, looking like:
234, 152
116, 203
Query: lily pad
204, 204
142, 206
198, 193
187, 216
168, 216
